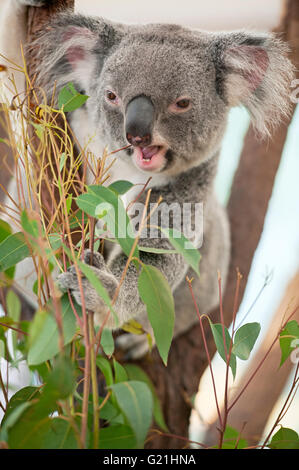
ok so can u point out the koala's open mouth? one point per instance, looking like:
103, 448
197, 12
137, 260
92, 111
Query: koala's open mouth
151, 158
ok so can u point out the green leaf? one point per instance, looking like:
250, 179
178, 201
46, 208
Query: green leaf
13, 250
136, 373
117, 220
62, 161
120, 372
104, 365
39, 129
24, 395
230, 439
108, 412
29, 429
13, 306
117, 437
158, 251
217, 332
285, 438
184, 247
69, 203
55, 242
245, 339
12, 419
36, 326
135, 401
60, 384
120, 187
107, 342
155, 292
5, 231
29, 225
2, 349
70, 99
45, 343
286, 339
60, 435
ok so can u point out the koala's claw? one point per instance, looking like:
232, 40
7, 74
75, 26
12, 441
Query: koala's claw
134, 346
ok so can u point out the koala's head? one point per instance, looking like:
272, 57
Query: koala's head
164, 89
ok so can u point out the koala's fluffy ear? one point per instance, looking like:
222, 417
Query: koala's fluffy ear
73, 48
253, 70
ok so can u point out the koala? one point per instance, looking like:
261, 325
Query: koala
165, 91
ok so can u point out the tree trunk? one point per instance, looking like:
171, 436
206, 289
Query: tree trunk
39, 16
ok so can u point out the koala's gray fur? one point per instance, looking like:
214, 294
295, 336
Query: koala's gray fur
164, 62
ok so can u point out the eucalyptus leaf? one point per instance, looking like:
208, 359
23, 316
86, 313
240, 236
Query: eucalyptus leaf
136, 373
217, 332
45, 343
119, 372
5, 231
286, 339
245, 339
34, 425
13, 249
285, 438
117, 437
60, 435
117, 220
156, 294
105, 367
232, 439
29, 431
135, 401
107, 342
24, 395
184, 247
70, 99
120, 186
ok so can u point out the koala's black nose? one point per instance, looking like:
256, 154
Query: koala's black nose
139, 121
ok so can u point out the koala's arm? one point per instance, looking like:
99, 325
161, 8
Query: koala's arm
189, 187
128, 304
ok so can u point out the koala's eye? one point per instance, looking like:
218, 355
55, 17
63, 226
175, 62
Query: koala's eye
181, 105
112, 97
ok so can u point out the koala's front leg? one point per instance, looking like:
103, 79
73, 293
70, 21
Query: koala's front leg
172, 266
128, 304
93, 302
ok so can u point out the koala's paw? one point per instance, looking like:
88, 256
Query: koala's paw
134, 346
93, 302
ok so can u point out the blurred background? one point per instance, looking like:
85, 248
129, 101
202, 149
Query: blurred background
211, 15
